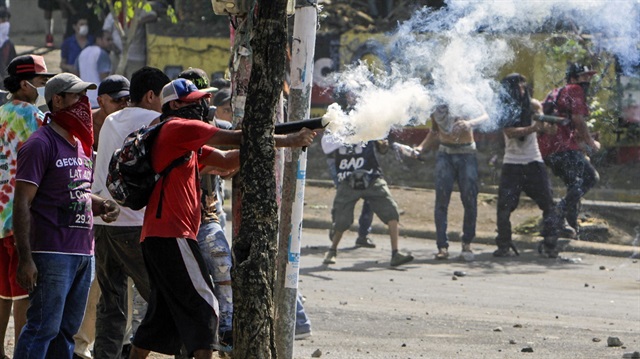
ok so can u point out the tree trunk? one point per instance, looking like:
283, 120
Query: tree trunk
254, 248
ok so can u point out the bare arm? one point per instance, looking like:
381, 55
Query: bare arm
515, 132
222, 160
582, 130
302, 138
475, 122
536, 126
431, 141
27, 271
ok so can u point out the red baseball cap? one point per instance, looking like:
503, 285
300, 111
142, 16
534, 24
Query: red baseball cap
28, 65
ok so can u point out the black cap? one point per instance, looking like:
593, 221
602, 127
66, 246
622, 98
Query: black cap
4, 13
199, 78
220, 83
222, 96
116, 86
576, 69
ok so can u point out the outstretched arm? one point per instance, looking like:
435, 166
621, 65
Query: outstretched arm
582, 130
431, 141
302, 138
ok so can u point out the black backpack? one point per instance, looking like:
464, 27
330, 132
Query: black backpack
131, 178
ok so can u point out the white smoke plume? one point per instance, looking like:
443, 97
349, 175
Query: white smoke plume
453, 56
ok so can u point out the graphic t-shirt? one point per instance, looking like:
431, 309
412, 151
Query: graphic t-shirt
180, 217
18, 120
358, 157
572, 101
61, 216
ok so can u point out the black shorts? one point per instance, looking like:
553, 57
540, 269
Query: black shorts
182, 308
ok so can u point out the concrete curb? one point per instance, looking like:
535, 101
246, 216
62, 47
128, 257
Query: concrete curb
522, 242
623, 211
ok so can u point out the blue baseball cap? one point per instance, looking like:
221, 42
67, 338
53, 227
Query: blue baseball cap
182, 90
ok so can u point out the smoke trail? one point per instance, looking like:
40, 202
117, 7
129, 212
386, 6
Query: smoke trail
453, 56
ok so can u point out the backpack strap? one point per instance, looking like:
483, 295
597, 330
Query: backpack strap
175, 163
555, 100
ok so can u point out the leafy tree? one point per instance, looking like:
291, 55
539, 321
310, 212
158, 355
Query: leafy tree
128, 16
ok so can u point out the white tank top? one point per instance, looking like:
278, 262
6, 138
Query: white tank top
517, 151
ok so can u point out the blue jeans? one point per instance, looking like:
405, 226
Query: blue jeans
463, 169
217, 254
56, 307
303, 324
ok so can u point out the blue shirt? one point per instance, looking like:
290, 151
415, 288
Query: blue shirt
71, 49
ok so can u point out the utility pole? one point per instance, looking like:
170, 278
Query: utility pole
288, 259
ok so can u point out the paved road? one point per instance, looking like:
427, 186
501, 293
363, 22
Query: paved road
362, 308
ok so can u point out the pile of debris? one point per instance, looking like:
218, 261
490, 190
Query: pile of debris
339, 16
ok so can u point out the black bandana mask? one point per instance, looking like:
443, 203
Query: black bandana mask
585, 87
194, 111
205, 108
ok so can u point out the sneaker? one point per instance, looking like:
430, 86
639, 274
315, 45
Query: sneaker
568, 232
49, 40
365, 242
225, 341
330, 257
400, 259
550, 253
443, 253
503, 252
467, 254
302, 334
547, 251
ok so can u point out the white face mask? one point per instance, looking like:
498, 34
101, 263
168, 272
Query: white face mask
40, 100
4, 32
83, 30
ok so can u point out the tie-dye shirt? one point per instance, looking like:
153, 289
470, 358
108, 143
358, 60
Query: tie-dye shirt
18, 120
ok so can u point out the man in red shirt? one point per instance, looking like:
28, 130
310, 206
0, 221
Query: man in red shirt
182, 307
564, 151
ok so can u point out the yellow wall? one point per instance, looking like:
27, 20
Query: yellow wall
208, 53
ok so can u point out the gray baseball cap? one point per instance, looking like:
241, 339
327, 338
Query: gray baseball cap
65, 82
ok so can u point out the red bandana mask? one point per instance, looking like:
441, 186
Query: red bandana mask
78, 121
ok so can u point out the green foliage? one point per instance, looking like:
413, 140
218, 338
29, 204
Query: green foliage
131, 7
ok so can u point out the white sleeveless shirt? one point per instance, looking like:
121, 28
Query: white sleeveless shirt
517, 151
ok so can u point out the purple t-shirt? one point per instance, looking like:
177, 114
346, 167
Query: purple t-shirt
61, 217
